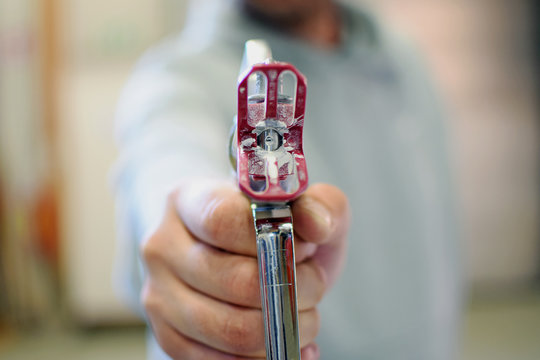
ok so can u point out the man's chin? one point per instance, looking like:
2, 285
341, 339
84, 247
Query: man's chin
282, 13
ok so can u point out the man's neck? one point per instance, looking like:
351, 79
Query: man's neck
320, 27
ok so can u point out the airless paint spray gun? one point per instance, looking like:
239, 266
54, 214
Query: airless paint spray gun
266, 151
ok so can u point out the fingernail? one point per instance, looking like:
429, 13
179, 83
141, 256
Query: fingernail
312, 352
319, 212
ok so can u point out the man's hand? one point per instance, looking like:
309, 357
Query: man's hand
201, 292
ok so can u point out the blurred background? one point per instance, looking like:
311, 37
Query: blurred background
62, 66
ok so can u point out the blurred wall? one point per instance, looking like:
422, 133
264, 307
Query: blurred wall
28, 236
100, 42
481, 55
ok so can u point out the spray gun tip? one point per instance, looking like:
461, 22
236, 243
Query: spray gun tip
256, 51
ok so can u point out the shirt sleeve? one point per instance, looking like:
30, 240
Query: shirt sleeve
167, 131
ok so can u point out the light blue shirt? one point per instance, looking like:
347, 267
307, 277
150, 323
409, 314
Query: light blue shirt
373, 128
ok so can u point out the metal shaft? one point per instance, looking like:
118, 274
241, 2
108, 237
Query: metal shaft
277, 276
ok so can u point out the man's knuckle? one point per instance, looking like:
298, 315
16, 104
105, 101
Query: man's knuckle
241, 282
172, 344
218, 219
151, 248
226, 221
172, 197
238, 334
149, 299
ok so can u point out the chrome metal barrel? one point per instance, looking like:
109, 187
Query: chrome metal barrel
277, 275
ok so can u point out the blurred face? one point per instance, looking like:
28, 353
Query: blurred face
284, 11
